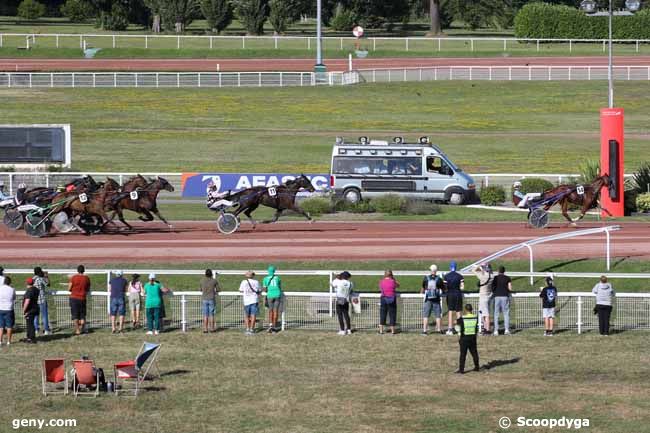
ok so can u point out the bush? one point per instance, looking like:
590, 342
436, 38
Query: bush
118, 19
252, 14
421, 207
589, 170
392, 204
316, 205
218, 13
641, 178
535, 184
281, 14
77, 11
343, 19
493, 195
31, 10
542, 20
643, 202
364, 206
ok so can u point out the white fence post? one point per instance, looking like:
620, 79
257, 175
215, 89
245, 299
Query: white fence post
331, 290
579, 306
146, 41
114, 45
178, 42
183, 314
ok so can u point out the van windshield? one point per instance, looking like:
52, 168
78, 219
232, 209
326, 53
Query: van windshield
368, 165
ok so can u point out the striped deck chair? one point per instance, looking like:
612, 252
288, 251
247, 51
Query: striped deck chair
53, 374
85, 373
136, 371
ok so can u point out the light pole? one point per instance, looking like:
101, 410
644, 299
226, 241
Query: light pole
319, 67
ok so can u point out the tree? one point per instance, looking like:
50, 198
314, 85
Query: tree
282, 13
178, 14
31, 9
219, 13
155, 6
253, 15
482, 13
77, 11
434, 16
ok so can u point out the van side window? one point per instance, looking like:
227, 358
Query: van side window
435, 164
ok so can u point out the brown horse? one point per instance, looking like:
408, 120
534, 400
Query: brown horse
280, 198
139, 195
584, 196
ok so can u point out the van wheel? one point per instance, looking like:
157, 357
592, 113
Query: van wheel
352, 195
457, 198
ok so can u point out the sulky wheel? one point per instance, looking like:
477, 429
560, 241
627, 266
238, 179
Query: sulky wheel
91, 223
538, 218
37, 226
227, 223
13, 219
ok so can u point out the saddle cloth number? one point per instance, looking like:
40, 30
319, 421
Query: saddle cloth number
83, 198
580, 190
272, 191
133, 195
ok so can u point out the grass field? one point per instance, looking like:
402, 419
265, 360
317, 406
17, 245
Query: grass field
319, 382
483, 126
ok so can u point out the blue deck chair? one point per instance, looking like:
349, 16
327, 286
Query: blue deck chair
137, 370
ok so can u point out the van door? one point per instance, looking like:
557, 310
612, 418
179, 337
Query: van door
439, 175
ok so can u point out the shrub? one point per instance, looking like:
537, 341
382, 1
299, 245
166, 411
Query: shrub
421, 207
281, 14
493, 195
392, 204
77, 11
364, 206
316, 205
641, 178
343, 19
589, 170
643, 202
252, 14
31, 9
117, 19
535, 184
218, 13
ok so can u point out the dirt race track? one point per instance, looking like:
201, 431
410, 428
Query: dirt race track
198, 241
254, 65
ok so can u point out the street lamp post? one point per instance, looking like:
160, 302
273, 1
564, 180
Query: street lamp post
319, 67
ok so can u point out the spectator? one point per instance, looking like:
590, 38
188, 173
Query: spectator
501, 290
273, 286
454, 285
30, 310
548, 295
467, 328
7, 317
250, 288
41, 282
432, 286
153, 304
2, 275
135, 292
484, 275
343, 286
388, 301
117, 289
209, 289
604, 296
79, 288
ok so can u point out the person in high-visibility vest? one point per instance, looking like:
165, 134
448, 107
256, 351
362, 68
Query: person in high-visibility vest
467, 328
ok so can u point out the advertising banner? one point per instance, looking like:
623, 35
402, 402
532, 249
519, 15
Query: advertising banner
195, 184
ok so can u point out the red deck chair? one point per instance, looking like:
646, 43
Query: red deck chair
136, 370
54, 373
85, 374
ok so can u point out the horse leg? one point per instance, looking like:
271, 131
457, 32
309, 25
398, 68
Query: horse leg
303, 213
157, 213
120, 216
248, 211
147, 215
565, 212
276, 216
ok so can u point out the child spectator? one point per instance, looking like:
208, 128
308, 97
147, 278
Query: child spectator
135, 292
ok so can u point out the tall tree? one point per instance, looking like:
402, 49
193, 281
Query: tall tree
178, 14
218, 13
282, 13
253, 15
434, 16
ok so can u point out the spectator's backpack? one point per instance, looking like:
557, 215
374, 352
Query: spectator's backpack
432, 293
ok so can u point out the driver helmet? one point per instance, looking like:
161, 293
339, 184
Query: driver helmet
211, 186
85, 176
22, 186
516, 185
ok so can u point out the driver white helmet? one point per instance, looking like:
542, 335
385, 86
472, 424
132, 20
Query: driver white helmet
516, 185
22, 186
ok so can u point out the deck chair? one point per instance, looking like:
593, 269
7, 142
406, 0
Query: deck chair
54, 373
136, 370
85, 374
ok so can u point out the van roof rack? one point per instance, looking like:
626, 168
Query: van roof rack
395, 141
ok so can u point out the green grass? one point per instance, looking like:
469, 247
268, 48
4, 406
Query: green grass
319, 382
483, 126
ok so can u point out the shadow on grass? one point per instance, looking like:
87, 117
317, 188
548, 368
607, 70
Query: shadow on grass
499, 363
177, 372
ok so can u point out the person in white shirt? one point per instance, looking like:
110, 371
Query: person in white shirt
343, 286
7, 317
250, 288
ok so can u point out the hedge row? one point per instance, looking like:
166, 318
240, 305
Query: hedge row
543, 20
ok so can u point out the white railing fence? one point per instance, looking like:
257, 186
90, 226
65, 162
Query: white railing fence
313, 311
504, 73
166, 79
468, 44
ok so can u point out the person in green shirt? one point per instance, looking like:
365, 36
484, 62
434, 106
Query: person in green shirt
153, 303
273, 287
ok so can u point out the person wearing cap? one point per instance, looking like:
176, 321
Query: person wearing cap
30, 309
467, 328
135, 292
209, 289
7, 316
343, 287
501, 291
153, 303
273, 287
41, 282
250, 289
79, 288
548, 295
117, 288
454, 286
432, 286
484, 276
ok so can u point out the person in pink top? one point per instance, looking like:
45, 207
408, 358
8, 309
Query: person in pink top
388, 301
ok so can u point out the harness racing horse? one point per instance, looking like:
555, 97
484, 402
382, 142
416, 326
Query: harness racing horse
139, 195
280, 198
584, 196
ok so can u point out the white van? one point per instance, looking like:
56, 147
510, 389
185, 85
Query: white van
370, 168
